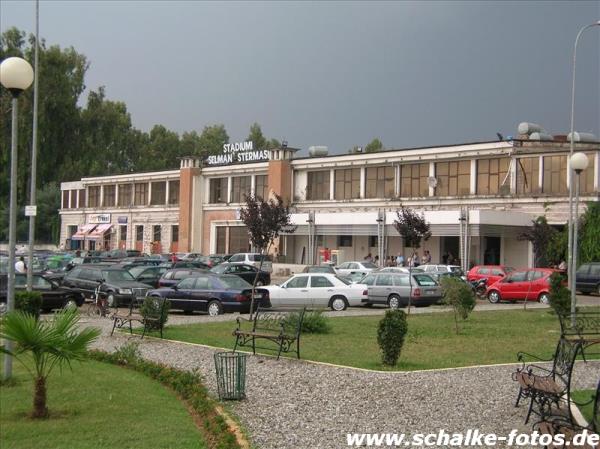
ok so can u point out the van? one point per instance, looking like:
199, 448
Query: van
253, 259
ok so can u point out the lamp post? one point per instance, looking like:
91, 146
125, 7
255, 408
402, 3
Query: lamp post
571, 243
579, 162
16, 75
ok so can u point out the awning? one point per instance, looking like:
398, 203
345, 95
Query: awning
83, 231
99, 232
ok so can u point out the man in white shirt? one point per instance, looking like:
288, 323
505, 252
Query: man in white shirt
20, 266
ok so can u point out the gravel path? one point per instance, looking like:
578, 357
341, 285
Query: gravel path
297, 404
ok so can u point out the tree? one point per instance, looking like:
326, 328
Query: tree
413, 228
460, 296
212, 139
590, 234
391, 332
540, 234
259, 141
51, 343
265, 221
374, 146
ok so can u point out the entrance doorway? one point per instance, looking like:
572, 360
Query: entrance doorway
449, 250
491, 251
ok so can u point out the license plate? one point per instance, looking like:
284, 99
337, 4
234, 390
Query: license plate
430, 292
257, 296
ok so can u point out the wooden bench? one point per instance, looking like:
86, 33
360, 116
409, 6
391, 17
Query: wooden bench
148, 321
581, 327
281, 327
546, 386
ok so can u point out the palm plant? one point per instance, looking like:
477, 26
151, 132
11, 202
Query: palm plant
52, 343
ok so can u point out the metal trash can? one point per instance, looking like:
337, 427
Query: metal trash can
231, 375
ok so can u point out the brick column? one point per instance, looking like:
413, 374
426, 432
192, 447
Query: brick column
190, 167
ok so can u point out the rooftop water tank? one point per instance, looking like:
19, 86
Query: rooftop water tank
540, 136
528, 128
317, 151
582, 137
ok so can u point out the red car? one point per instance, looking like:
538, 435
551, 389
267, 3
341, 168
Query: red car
493, 273
530, 284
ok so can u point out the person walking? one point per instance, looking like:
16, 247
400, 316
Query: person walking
400, 260
20, 266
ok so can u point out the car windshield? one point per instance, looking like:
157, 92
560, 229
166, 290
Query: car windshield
136, 271
234, 282
219, 269
344, 280
424, 280
370, 265
117, 275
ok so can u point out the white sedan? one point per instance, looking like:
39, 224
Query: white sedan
317, 290
356, 267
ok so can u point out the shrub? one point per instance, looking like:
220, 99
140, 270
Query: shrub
314, 322
460, 296
560, 296
28, 302
390, 335
151, 308
129, 353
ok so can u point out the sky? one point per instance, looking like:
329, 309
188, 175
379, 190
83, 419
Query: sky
335, 73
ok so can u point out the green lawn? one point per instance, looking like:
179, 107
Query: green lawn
485, 338
586, 398
96, 406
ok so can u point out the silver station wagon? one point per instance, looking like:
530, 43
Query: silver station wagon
394, 289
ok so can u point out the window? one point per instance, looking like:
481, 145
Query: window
125, 198
175, 233
108, 199
139, 233
453, 178
187, 284
202, 283
93, 196
65, 199
320, 282
317, 186
373, 241
528, 174
141, 194
238, 239
347, 184
413, 180
81, 202
123, 233
158, 193
381, 182
240, 188
424, 280
298, 282
344, 240
401, 281
262, 186
535, 275
586, 178
517, 276
385, 279
483, 271
221, 239
368, 280
182, 274
491, 174
156, 233
173, 192
555, 175
74, 198
217, 188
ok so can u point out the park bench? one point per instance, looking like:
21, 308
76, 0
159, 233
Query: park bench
546, 386
280, 327
581, 327
153, 321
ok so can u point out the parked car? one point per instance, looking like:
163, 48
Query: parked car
190, 264
355, 267
253, 259
211, 261
394, 289
526, 285
317, 289
319, 269
353, 278
493, 273
53, 296
246, 272
117, 285
587, 278
212, 293
431, 268
173, 276
148, 274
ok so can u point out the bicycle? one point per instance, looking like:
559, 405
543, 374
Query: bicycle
99, 306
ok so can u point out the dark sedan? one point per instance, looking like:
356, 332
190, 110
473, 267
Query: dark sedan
53, 296
212, 293
147, 275
246, 272
172, 277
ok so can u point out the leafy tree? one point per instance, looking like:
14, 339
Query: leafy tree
556, 250
212, 139
589, 246
190, 144
560, 296
374, 146
51, 343
161, 151
390, 335
540, 234
460, 296
413, 228
265, 221
259, 141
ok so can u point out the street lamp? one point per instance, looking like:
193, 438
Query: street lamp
571, 245
579, 162
16, 75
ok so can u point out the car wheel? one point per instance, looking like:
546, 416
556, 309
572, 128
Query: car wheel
111, 300
394, 301
338, 303
494, 297
215, 308
70, 303
544, 298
